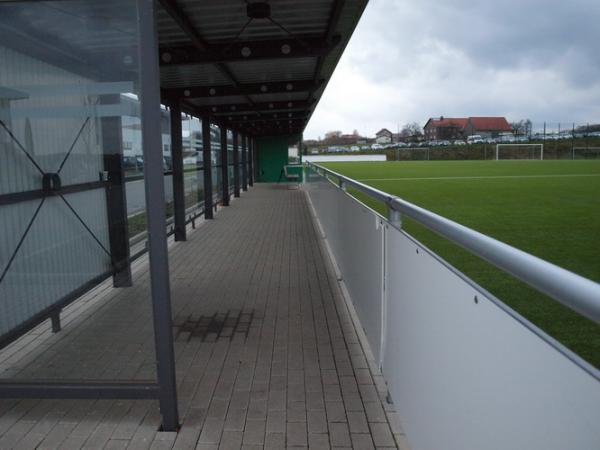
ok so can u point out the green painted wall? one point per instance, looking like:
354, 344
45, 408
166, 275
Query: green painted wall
272, 156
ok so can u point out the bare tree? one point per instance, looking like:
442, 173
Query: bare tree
522, 127
412, 129
332, 137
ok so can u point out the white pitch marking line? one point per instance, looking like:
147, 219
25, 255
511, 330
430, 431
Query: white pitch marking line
484, 177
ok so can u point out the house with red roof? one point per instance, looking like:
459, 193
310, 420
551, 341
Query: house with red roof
447, 128
487, 126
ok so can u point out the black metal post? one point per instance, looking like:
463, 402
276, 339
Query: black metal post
236, 165
155, 213
224, 166
207, 167
244, 163
255, 159
116, 202
178, 181
55, 319
251, 161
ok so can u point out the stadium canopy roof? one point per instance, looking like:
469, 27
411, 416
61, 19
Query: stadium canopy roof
261, 66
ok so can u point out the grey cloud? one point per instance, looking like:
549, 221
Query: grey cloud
409, 60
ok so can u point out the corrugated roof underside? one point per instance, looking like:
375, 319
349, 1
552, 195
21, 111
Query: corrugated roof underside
222, 21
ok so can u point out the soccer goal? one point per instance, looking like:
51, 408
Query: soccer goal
586, 153
519, 151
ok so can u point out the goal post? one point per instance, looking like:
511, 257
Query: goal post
519, 151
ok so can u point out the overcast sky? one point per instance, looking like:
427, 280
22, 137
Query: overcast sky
409, 60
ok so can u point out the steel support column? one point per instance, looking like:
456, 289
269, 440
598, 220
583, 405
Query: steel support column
155, 213
224, 166
244, 162
178, 181
254, 158
251, 161
116, 203
207, 167
236, 165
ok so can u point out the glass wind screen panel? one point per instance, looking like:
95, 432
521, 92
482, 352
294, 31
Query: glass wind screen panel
67, 83
465, 373
194, 188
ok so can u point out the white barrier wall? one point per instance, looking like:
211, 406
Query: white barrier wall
342, 158
465, 372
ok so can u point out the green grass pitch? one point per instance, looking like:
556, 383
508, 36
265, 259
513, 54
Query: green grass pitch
550, 209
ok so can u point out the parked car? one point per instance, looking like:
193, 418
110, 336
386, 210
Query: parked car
376, 147
354, 148
459, 142
475, 139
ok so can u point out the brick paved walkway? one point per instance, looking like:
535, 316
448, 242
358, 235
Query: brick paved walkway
267, 354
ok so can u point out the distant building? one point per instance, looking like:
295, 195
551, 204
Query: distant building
449, 128
348, 139
445, 128
383, 136
487, 126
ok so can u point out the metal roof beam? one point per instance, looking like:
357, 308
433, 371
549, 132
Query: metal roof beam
278, 87
283, 118
334, 17
244, 108
174, 10
247, 51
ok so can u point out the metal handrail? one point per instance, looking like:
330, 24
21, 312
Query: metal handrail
572, 290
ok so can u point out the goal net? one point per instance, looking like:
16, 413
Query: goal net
586, 153
519, 151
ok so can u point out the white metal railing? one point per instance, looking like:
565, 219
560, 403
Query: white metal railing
568, 288
463, 369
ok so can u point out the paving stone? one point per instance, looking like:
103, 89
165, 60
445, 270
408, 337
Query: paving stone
335, 412
382, 435
357, 421
362, 442
296, 434
318, 441
317, 421
339, 434
254, 433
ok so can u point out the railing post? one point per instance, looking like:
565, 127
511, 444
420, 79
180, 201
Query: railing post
155, 213
236, 165
178, 175
394, 217
224, 166
207, 168
244, 163
342, 185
